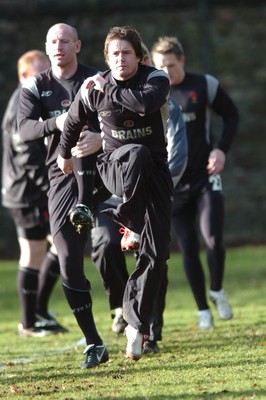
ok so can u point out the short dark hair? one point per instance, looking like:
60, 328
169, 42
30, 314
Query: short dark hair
127, 33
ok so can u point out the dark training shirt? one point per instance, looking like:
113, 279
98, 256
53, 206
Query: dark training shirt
197, 96
48, 97
129, 112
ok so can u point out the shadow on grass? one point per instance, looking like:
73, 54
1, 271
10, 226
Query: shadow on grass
119, 373
62, 369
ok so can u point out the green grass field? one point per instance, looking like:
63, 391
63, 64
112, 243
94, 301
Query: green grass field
228, 362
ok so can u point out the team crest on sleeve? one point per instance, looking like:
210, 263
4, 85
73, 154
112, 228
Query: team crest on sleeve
65, 103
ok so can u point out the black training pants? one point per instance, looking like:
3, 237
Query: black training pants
202, 211
146, 189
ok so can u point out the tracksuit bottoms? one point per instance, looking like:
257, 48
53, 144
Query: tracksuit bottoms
145, 185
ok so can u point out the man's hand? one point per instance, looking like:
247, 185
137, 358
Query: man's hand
89, 143
98, 81
66, 165
216, 162
60, 120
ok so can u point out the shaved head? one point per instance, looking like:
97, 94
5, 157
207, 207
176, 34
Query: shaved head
57, 28
62, 46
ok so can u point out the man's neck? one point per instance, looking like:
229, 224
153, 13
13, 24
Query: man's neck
180, 78
65, 72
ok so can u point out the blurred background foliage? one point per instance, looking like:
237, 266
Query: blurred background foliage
224, 38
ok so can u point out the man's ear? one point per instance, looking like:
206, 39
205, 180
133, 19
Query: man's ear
78, 46
182, 59
46, 48
23, 76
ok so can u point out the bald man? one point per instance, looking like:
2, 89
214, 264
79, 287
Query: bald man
44, 103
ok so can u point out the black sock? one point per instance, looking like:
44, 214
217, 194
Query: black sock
48, 276
27, 284
81, 304
85, 190
84, 170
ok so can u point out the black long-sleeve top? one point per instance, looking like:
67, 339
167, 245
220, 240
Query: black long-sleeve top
132, 111
43, 98
24, 173
198, 95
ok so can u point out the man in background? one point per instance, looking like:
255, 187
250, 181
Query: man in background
24, 192
198, 197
